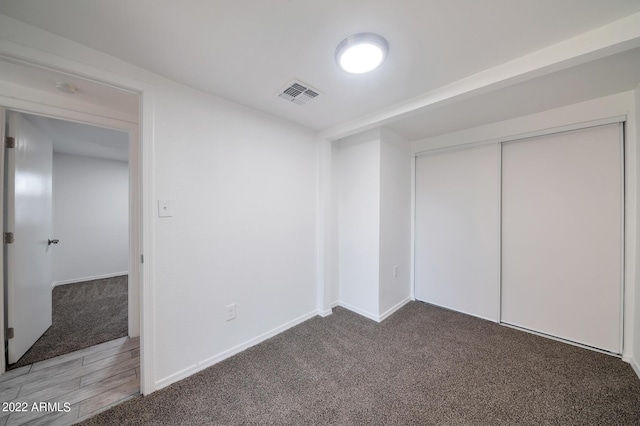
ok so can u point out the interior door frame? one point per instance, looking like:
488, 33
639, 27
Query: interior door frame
140, 181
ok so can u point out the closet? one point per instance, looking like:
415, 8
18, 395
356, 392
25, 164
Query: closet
527, 232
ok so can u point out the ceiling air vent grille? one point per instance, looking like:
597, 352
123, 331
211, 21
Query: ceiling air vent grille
298, 93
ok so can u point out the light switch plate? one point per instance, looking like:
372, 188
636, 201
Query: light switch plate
164, 208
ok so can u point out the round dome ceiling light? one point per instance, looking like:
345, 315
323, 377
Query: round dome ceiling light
360, 53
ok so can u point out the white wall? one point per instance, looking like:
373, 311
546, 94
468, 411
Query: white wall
596, 109
359, 222
621, 104
395, 219
243, 187
372, 185
90, 218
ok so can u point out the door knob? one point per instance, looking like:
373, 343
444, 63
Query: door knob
53, 242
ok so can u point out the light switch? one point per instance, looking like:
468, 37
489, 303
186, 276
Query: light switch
164, 208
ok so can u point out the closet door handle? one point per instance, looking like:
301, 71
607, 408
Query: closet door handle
53, 242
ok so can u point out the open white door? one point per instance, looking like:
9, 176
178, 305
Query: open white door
28, 215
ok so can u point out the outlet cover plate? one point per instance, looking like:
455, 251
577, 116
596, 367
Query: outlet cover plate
231, 312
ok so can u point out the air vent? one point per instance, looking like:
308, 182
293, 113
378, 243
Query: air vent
298, 93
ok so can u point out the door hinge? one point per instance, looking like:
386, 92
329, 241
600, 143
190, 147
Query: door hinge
9, 142
142, 258
10, 333
8, 238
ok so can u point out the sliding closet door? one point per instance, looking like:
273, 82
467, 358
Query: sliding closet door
457, 233
562, 204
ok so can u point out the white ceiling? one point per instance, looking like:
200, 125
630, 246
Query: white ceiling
247, 50
82, 139
613, 74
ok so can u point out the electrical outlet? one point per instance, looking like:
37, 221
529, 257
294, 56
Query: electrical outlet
395, 272
231, 312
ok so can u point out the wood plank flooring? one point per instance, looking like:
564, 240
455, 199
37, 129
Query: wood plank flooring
71, 387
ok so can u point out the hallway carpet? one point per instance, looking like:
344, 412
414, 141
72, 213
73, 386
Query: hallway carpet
422, 366
84, 314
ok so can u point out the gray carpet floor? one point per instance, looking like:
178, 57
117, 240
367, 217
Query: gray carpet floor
422, 366
84, 314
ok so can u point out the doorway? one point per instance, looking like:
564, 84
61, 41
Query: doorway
69, 290
30, 84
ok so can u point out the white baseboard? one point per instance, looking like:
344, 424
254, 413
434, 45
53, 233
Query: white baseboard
326, 313
376, 318
183, 374
329, 311
394, 308
83, 279
359, 311
635, 366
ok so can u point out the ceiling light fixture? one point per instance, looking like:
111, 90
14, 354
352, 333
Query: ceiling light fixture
66, 88
360, 53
